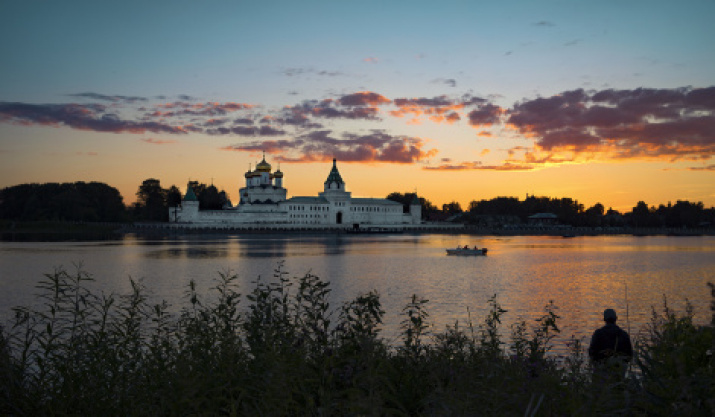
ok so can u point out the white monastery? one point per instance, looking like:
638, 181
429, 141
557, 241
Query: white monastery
263, 202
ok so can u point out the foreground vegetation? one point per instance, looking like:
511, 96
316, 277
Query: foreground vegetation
282, 350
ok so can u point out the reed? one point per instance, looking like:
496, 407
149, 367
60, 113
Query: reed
282, 349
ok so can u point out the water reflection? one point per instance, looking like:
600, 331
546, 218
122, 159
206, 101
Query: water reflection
191, 253
582, 275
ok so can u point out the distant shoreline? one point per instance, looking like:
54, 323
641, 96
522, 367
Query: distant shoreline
72, 231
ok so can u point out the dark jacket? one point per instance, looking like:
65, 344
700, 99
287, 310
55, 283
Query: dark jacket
608, 341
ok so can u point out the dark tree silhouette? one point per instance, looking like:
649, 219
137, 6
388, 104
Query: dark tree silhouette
406, 200
452, 208
78, 201
151, 201
173, 196
210, 199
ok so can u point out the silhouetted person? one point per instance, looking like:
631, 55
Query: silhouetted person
610, 345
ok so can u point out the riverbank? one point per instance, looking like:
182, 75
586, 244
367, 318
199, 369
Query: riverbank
436, 228
73, 231
30, 231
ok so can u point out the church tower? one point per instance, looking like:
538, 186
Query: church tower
334, 189
189, 211
334, 181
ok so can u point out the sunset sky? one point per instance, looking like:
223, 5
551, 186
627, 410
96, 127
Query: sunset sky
601, 101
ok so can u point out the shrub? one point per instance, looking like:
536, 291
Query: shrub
283, 350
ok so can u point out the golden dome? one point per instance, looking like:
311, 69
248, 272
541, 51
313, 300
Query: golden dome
278, 174
263, 166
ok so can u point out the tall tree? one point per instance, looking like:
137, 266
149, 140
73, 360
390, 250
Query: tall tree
594, 215
406, 200
173, 196
151, 201
210, 199
452, 208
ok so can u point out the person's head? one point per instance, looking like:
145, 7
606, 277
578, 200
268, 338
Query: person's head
609, 315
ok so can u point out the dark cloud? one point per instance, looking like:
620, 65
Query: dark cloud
250, 131
183, 109
270, 146
377, 146
363, 98
82, 117
440, 101
243, 121
641, 123
485, 115
470, 100
366, 113
294, 116
103, 97
348, 107
294, 72
446, 81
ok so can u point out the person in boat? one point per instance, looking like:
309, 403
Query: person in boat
610, 347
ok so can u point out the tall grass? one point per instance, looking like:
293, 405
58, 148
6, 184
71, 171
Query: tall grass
282, 349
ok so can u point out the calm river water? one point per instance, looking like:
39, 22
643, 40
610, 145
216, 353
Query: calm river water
582, 275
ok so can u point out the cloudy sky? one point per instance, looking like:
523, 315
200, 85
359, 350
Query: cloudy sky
607, 101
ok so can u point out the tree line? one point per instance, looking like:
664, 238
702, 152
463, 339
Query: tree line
511, 210
153, 201
99, 202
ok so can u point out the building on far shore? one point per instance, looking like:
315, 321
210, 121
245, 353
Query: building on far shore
262, 201
543, 219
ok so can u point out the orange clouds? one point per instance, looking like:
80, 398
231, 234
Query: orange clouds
438, 109
571, 127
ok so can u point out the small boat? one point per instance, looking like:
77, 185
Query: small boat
467, 251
